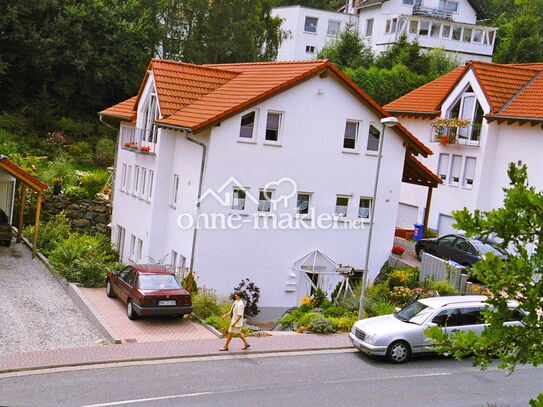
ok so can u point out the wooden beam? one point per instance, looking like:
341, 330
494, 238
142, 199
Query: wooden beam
427, 210
36, 226
21, 213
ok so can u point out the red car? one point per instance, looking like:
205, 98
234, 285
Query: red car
149, 290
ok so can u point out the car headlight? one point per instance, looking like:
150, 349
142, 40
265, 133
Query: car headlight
370, 339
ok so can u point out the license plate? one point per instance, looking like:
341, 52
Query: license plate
167, 302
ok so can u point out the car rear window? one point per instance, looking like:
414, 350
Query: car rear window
158, 282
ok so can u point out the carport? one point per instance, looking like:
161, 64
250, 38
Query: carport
9, 174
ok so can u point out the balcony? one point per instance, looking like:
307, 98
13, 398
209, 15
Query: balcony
139, 141
456, 132
432, 12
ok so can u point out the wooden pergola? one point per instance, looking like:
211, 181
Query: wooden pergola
414, 172
35, 186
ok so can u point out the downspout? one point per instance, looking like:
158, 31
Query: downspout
200, 186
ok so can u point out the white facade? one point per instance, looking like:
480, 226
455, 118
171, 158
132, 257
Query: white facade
382, 24
474, 172
7, 193
309, 151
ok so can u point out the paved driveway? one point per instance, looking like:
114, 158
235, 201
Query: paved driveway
36, 313
149, 329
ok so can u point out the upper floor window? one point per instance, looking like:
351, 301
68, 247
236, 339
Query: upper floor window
413, 27
434, 31
175, 190
342, 205
247, 126
310, 25
333, 27
302, 203
446, 31
150, 130
477, 36
264, 200
124, 175
412, 2
273, 126
466, 35
143, 186
373, 138
369, 27
238, 199
468, 107
456, 33
150, 183
448, 5
456, 165
136, 179
424, 28
391, 25
310, 49
469, 172
443, 166
350, 136
364, 207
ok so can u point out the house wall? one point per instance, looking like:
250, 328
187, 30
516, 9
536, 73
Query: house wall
8, 193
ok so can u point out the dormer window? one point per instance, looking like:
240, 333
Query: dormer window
448, 5
150, 115
468, 107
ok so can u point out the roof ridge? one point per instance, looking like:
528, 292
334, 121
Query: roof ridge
208, 66
521, 90
304, 61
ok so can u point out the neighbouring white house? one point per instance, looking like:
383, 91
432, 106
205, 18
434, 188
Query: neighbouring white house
448, 24
252, 144
502, 108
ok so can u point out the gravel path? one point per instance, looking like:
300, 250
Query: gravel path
36, 313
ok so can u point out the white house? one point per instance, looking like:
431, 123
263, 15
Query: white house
448, 24
504, 111
255, 144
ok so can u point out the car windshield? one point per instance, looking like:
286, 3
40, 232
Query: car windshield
158, 282
415, 313
488, 247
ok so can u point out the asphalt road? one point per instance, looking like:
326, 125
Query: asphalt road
310, 379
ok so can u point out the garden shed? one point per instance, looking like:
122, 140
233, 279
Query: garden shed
10, 174
316, 270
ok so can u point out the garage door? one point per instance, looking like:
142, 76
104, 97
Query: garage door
444, 225
407, 216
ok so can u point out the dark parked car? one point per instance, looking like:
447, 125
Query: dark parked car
5, 229
149, 290
459, 249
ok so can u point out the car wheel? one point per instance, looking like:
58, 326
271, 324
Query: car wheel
398, 352
109, 290
7, 243
130, 311
420, 253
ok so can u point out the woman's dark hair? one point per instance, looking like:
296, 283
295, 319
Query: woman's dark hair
239, 293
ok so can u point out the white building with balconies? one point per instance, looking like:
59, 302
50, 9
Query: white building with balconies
448, 24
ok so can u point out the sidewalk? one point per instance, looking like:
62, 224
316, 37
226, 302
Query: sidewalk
167, 350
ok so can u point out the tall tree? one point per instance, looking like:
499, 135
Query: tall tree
321, 4
518, 224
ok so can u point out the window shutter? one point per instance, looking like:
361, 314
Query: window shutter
455, 169
443, 165
469, 172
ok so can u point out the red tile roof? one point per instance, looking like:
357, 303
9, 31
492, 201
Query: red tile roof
512, 91
198, 96
21, 174
415, 172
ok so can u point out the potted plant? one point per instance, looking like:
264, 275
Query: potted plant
446, 130
131, 144
145, 149
397, 251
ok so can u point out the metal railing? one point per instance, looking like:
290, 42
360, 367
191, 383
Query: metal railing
469, 135
432, 12
139, 141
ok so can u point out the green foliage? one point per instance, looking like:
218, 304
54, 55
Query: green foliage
334, 311
442, 287
250, 294
320, 4
380, 307
50, 233
59, 172
429, 234
81, 152
93, 183
205, 304
104, 155
75, 192
189, 283
84, 259
10, 145
348, 51
345, 322
318, 297
517, 225
406, 277
320, 325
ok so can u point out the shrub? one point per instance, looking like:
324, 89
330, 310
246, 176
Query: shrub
407, 277
305, 319
429, 234
205, 304
350, 303
84, 259
104, 155
59, 172
345, 322
93, 183
81, 152
50, 233
334, 311
443, 288
250, 294
400, 294
189, 283
318, 297
376, 308
75, 192
321, 325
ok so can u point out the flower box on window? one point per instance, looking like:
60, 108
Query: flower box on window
131, 144
145, 149
446, 130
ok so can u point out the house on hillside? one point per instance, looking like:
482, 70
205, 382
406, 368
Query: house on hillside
257, 153
502, 111
448, 24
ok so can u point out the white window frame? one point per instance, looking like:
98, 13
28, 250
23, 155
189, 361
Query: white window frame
143, 182
446, 5
269, 194
124, 170
175, 191
310, 49
150, 115
235, 200
367, 198
310, 196
465, 180
369, 27
391, 26
173, 260
150, 186
129, 180
376, 127
252, 139
416, 27
446, 167
342, 215
132, 248
358, 125
452, 169
121, 233
139, 249
136, 188
316, 24
338, 27
279, 129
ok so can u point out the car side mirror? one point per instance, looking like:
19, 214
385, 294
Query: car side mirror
397, 309
431, 324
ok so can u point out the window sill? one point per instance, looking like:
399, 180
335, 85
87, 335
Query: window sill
309, 32
468, 187
248, 141
272, 143
350, 151
240, 213
372, 153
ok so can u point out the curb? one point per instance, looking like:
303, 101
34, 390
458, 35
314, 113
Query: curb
210, 328
147, 359
77, 297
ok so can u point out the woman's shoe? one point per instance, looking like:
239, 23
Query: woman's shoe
246, 347
223, 349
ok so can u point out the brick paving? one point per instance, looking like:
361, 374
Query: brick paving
167, 350
409, 256
155, 329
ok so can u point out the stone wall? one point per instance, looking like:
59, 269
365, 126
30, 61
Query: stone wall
85, 215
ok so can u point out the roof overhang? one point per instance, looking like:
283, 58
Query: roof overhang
414, 172
20, 174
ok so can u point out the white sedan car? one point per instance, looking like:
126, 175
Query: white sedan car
398, 336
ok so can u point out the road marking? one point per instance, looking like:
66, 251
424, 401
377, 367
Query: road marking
134, 401
174, 360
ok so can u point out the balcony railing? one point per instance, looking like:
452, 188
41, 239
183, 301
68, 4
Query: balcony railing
469, 135
432, 12
139, 141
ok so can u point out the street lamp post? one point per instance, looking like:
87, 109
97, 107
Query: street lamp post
386, 122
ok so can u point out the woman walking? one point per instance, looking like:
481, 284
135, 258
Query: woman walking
236, 312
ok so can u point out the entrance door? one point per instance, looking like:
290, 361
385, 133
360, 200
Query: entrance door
6, 198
